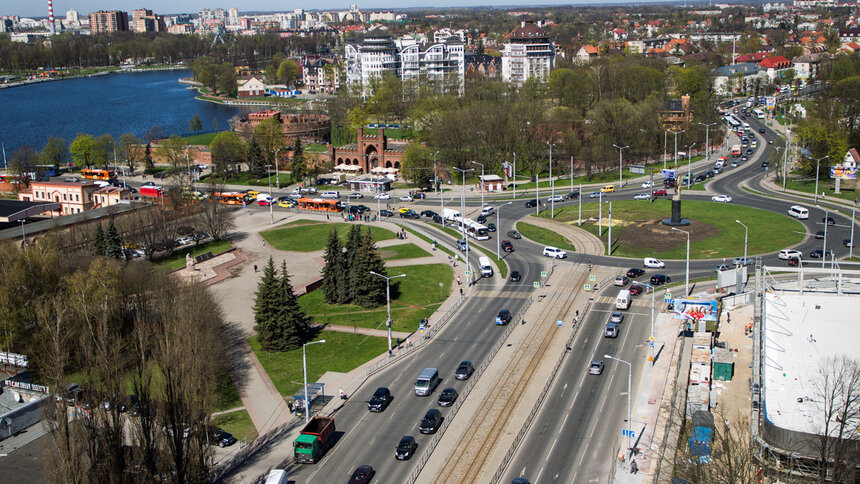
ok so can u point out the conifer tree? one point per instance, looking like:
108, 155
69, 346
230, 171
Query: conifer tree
256, 160
353, 241
149, 166
368, 290
292, 326
99, 241
333, 271
113, 244
266, 308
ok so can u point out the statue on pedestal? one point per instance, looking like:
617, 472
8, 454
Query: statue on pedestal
189, 263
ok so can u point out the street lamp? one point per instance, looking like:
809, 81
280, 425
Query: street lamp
515, 175
435, 174
305, 367
620, 165
388, 302
746, 233
851, 246
551, 184
482, 183
707, 146
24, 234
676, 133
690, 161
816, 176
687, 271
277, 173
499, 230
462, 215
824, 241
629, 385
269, 178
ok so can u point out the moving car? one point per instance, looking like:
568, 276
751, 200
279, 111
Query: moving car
659, 192
555, 199
464, 369
642, 196
572, 195
431, 422
721, 198
816, 254
554, 252
362, 475
848, 242
700, 178
794, 261
742, 261
761, 130
611, 330
407, 198
514, 234
516, 276
405, 448
355, 195
380, 400
635, 272
330, 194
828, 220
658, 279
386, 213
616, 317
596, 367
428, 213
531, 204
721, 268
819, 234
504, 317
595, 195
787, 254
647, 184
608, 189
621, 280
447, 397
653, 263
382, 196
507, 246
636, 290
491, 227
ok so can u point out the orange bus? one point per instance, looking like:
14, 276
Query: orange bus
230, 198
320, 204
91, 174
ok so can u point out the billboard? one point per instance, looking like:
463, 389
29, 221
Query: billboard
668, 173
844, 172
695, 309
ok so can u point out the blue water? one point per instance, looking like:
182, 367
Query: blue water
113, 104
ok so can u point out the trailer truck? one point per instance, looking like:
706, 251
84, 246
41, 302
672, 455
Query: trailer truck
315, 439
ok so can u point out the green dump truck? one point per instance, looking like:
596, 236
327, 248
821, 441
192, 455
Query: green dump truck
316, 438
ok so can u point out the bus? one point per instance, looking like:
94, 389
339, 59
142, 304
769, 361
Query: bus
736, 150
320, 204
230, 198
758, 113
733, 122
91, 174
466, 225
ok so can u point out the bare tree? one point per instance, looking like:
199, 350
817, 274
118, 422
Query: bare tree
215, 218
837, 393
732, 459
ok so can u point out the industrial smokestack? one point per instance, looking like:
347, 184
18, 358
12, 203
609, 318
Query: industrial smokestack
51, 15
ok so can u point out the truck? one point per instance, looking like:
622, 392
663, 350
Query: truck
486, 266
315, 439
736, 150
151, 191
276, 476
622, 301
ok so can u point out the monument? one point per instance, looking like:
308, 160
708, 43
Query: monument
676, 220
189, 263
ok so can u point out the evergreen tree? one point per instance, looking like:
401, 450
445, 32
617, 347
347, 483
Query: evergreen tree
149, 166
113, 244
298, 167
333, 271
353, 241
266, 308
292, 326
368, 290
99, 241
256, 160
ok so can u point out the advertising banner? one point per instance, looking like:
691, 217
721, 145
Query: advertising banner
696, 309
668, 173
843, 172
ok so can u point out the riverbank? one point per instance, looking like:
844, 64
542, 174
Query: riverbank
111, 70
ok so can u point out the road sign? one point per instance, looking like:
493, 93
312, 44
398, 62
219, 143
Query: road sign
592, 278
630, 433
536, 284
651, 344
651, 338
587, 287
468, 273
559, 322
667, 298
543, 273
421, 326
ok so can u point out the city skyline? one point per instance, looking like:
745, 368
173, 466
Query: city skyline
39, 8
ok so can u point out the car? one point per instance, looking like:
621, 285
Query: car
149, 183
531, 204
407, 198
362, 475
428, 213
642, 196
491, 227
647, 184
721, 268
507, 246
516, 276
742, 261
572, 195
554, 252
710, 174
386, 213
735, 163
670, 183
743, 117
437, 219
447, 397
848, 242
555, 199
481, 219
462, 244
717, 170
659, 192
265, 202
382, 196
636, 290
431, 422
404, 210
621, 280
770, 141
721, 198
787, 254
794, 261
616, 317
761, 130
504, 317
658, 279
700, 178
465, 369
380, 400
596, 367
828, 220
653, 263
355, 195
223, 438
595, 195
611, 330
749, 151
410, 214
514, 234
405, 448
816, 254
635, 272
608, 188
819, 234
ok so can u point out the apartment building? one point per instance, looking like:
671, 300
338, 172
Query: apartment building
108, 22
528, 54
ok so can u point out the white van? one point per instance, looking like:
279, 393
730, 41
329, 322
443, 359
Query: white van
486, 266
426, 382
330, 194
487, 211
622, 301
720, 163
798, 212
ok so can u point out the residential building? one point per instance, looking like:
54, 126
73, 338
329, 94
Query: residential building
252, 87
443, 34
143, 20
806, 67
73, 197
109, 196
775, 67
321, 74
482, 65
586, 54
108, 22
433, 61
849, 35
678, 113
737, 77
528, 54
233, 16
372, 58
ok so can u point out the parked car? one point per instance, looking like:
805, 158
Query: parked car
516, 276
405, 448
621, 280
224, 438
635, 272
362, 475
507, 246
554, 252
596, 367
431, 422
658, 279
410, 214
380, 400
514, 234
447, 397
636, 290
721, 198
465, 369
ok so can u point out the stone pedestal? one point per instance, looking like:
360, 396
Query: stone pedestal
676, 220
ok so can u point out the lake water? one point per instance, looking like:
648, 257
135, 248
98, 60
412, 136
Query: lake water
114, 104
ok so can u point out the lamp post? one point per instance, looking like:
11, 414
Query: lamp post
666, 132
851, 246
269, 178
515, 175
629, 385
746, 233
24, 234
817, 162
707, 146
482, 184
785, 157
690, 161
305, 367
499, 231
388, 302
827, 213
676, 133
620, 165
435, 174
462, 215
551, 184
687, 271
277, 172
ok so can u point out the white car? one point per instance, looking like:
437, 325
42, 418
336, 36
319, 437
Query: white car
721, 198
642, 196
788, 254
653, 263
355, 195
554, 252
647, 184
382, 196
407, 198
557, 198
331, 194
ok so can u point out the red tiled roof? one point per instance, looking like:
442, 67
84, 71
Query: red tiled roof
774, 62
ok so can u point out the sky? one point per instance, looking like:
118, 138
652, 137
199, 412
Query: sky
39, 8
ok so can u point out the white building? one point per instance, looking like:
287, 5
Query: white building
443, 34
528, 54
233, 16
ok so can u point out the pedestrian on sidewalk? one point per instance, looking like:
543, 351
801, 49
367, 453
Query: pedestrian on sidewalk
290, 406
458, 281
255, 267
634, 467
461, 292
264, 243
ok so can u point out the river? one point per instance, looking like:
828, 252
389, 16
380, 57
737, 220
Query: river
115, 104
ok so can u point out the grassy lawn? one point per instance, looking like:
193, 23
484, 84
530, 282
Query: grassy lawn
237, 423
200, 139
400, 133
825, 186
177, 259
315, 148
341, 352
305, 221
402, 251
413, 298
637, 232
544, 236
312, 237
429, 241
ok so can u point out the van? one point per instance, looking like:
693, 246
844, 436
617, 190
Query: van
486, 266
487, 211
622, 301
798, 212
426, 382
330, 194
720, 163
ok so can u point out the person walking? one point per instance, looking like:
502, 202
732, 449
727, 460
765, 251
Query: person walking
458, 280
255, 267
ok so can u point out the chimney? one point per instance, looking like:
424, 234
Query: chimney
51, 16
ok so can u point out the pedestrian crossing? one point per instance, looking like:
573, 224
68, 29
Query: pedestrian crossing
611, 300
502, 294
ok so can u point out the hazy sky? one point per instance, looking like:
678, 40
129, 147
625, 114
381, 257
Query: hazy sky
39, 8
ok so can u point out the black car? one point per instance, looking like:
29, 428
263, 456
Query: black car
828, 220
428, 213
409, 214
448, 397
386, 213
761, 130
710, 174
491, 227
819, 234
749, 151
635, 272
380, 400
764, 164
516, 276
362, 475
531, 204
572, 196
514, 234
669, 183
507, 246
431, 422
816, 254
406, 448
481, 219
504, 317
658, 279
700, 178
464, 370
437, 219
224, 438
848, 243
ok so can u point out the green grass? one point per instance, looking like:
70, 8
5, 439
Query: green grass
315, 148
237, 423
400, 133
342, 352
414, 297
313, 237
200, 139
768, 232
305, 221
177, 259
544, 236
825, 186
228, 396
402, 251
429, 241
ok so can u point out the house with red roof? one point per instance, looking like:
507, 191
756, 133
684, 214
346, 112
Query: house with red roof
754, 57
586, 53
775, 67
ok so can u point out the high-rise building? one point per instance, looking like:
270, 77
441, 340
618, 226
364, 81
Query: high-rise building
143, 20
72, 16
233, 16
528, 54
108, 22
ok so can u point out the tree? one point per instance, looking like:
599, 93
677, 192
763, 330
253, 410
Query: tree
112, 242
83, 150
334, 271
256, 162
98, 246
228, 153
270, 136
837, 392
23, 162
265, 308
129, 148
227, 84
214, 217
105, 147
288, 72
147, 158
298, 167
153, 134
368, 290
418, 165
843, 68
281, 324
55, 152
294, 325
195, 124
173, 150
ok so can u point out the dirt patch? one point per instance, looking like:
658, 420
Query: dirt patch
387, 253
652, 234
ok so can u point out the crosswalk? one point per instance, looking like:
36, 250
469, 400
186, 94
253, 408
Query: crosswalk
611, 300
502, 294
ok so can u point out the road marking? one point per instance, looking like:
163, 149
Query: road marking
539, 473
441, 356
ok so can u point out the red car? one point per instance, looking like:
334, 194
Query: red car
507, 246
636, 290
659, 193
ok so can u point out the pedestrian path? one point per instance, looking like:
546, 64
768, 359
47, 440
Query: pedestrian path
611, 300
365, 331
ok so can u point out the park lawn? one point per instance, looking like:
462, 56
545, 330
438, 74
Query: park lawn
402, 251
825, 186
315, 148
313, 237
400, 133
177, 259
304, 221
714, 232
544, 236
201, 139
237, 423
427, 239
341, 352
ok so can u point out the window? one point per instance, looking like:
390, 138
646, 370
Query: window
64, 197
77, 198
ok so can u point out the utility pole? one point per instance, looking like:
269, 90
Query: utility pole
551, 184
620, 165
707, 146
